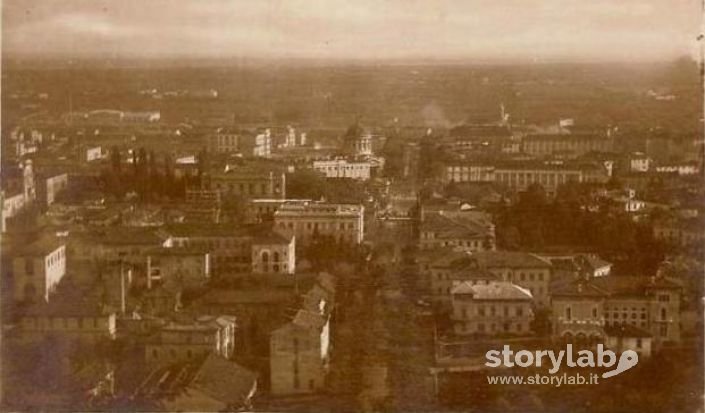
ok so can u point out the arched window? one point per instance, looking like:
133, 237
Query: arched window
265, 261
276, 257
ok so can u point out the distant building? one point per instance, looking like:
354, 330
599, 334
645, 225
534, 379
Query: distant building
224, 140
682, 232
180, 341
49, 187
183, 267
495, 308
518, 176
235, 250
583, 309
94, 154
250, 183
37, 270
468, 173
202, 205
571, 144
306, 220
273, 254
262, 210
73, 317
300, 349
442, 230
529, 271
682, 169
639, 162
342, 168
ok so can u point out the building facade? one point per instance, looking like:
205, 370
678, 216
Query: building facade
342, 168
307, 220
495, 308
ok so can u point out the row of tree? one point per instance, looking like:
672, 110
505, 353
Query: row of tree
147, 175
535, 223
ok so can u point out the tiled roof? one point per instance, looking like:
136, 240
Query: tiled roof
626, 330
456, 227
494, 290
224, 380
511, 259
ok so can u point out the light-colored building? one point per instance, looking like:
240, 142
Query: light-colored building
185, 340
571, 144
342, 168
73, 317
250, 183
526, 270
582, 309
50, 187
224, 140
262, 210
300, 351
94, 154
37, 270
494, 308
235, 250
639, 162
518, 176
11, 207
441, 230
468, 173
274, 254
306, 220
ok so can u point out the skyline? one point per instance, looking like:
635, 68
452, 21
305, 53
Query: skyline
446, 30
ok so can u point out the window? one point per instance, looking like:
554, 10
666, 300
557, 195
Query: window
311, 384
522, 276
481, 310
519, 311
663, 330
594, 312
664, 298
481, 328
518, 327
638, 343
568, 313
540, 276
663, 314
155, 353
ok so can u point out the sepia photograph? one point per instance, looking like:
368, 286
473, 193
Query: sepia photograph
352, 206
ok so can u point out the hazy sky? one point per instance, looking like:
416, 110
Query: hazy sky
376, 29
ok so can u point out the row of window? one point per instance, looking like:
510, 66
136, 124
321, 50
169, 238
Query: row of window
492, 311
314, 226
63, 323
493, 328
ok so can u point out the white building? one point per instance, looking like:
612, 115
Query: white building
344, 222
342, 168
37, 270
